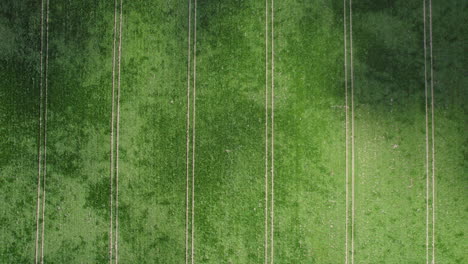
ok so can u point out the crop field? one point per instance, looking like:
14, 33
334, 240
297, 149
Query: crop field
233, 131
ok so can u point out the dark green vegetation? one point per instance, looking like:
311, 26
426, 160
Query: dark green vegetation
229, 219
309, 132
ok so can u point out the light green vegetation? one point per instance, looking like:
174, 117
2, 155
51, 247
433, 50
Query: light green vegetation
152, 137
309, 134
79, 76
390, 133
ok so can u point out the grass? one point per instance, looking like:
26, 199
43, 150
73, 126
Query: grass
310, 199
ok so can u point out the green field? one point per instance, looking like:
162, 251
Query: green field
233, 131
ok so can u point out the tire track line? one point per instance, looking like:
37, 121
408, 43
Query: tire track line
193, 126
427, 133
266, 132
187, 132
45, 132
347, 133
117, 141
111, 244
272, 134
39, 156
352, 126
433, 135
